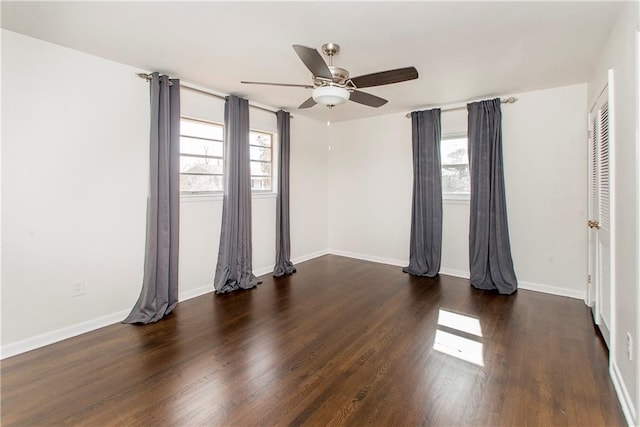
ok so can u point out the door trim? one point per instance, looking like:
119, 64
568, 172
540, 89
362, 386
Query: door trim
608, 325
612, 212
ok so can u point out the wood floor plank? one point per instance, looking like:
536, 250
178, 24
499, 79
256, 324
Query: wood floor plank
341, 342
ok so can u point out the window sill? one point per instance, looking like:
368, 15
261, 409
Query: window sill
456, 199
195, 197
263, 195
217, 197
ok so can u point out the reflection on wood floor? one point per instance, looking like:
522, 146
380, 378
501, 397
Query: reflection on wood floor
341, 341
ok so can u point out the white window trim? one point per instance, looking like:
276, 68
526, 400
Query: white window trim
263, 195
455, 198
203, 193
200, 197
197, 196
218, 197
274, 164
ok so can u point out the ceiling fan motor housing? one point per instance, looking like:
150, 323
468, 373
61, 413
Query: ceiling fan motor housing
340, 75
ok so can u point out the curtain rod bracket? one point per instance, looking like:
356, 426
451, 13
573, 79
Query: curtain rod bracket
147, 77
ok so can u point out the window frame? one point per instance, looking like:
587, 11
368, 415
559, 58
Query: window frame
208, 122
219, 193
454, 197
272, 135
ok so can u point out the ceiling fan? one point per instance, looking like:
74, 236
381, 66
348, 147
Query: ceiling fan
333, 86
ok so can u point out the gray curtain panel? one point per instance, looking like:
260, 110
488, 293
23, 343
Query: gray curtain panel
283, 239
490, 260
425, 247
234, 268
159, 293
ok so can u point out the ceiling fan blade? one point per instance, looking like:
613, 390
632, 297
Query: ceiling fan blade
313, 60
367, 99
385, 77
278, 84
308, 103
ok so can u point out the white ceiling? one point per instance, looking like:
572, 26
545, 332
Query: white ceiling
462, 50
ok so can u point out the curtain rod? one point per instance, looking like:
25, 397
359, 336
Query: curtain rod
205, 92
509, 100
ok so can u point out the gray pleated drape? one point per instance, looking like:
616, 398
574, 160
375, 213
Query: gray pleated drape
234, 268
159, 293
283, 239
490, 260
425, 247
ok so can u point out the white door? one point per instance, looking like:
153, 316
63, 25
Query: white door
599, 217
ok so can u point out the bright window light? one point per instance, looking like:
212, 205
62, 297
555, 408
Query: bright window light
454, 159
459, 347
459, 322
464, 345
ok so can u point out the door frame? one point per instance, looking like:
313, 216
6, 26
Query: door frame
592, 292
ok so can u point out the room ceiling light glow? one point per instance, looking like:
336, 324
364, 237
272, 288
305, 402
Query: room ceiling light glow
330, 95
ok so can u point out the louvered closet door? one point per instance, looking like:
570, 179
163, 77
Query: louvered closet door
604, 230
593, 213
600, 218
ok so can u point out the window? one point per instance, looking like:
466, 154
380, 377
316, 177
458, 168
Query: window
260, 154
456, 183
202, 157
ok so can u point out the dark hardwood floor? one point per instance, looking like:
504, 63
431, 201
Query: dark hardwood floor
340, 342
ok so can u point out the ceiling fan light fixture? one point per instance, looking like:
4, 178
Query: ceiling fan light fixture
330, 95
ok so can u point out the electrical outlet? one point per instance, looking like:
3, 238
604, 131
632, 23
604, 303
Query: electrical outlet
629, 347
77, 289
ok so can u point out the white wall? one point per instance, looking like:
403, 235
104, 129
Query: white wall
545, 172
74, 187
620, 54
308, 188
546, 165
370, 183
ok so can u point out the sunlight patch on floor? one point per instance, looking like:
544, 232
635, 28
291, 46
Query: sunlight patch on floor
460, 322
464, 345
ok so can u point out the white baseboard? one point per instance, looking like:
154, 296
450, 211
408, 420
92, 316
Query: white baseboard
61, 334
623, 395
530, 286
297, 260
83, 327
192, 293
455, 273
100, 322
264, 270
312, 255
372, 258
553, 290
